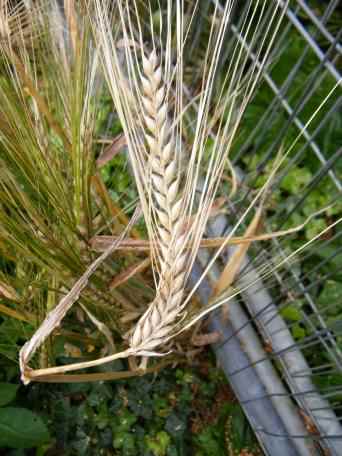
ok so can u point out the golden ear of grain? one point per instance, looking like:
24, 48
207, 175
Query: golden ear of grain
156, 324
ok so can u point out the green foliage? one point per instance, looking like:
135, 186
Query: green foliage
239, 435
159, 444
331, 294
20, 428
230, 434
265, 135
118, 180
210, 442
296, 180
298, 331
179, 412
330, 302
8, 391
291, 313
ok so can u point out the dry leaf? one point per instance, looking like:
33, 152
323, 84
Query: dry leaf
101, 327
70, 14
114, 210
206, 339
72, 350
8, 292
100, 243
103, 376
116, 146
129, 272
229, 273
15, 314
54, 318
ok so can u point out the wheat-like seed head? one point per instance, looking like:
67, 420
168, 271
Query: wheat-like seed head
167, 199
141, 87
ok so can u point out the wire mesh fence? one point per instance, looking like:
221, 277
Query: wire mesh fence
285, 330
281, 347
282, 338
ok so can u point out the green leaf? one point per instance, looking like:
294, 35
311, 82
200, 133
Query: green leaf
209, 441
330, 297
314, 228
298, 332
20, 428
8, 392
175, 425
327, 252
125, 441
291, 313
296, 179
159, 444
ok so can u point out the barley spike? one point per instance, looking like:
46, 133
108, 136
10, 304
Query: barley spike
156, 323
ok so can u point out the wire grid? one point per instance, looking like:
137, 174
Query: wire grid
297, 285
292, 361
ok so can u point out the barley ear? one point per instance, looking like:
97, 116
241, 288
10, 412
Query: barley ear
155, 324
